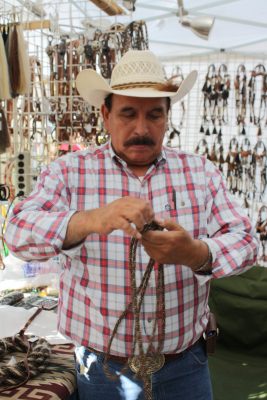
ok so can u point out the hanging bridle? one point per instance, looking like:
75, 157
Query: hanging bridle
258, 108
241, 97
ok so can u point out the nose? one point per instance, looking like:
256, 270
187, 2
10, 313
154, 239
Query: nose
141, 126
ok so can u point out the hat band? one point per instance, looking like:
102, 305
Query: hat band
134, 85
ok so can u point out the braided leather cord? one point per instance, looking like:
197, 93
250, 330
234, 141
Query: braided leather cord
144, 359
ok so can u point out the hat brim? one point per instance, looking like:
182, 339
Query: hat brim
94, 89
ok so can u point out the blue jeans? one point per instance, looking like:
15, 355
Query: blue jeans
184, 378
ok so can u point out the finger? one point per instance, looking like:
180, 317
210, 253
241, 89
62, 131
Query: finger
130, 229
171, 225
155, 237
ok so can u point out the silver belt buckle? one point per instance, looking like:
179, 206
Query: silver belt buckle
153, 363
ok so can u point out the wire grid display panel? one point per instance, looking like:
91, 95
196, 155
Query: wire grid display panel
190, 132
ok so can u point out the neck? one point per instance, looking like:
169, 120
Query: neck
139, 170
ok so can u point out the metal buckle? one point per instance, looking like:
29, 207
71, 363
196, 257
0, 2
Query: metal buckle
152, 363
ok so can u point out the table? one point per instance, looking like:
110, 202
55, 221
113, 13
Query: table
58, 382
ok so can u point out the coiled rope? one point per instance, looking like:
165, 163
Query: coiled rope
37, 355
150, 360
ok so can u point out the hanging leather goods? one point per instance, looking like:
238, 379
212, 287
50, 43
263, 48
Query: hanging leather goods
241, 98
234, 167
61, 65
177, 78
105, 56
261, 229
24, 63
245, 153
13, 62
259, 158
135, 36
223, 89
4, 74
202, 148
246, 161
217, 153
73, 65
117, 30
209, 99
259, 154
201, 130
257, 94
89, 55
5, 141
101, 136
50, 51
96, 48
173, 137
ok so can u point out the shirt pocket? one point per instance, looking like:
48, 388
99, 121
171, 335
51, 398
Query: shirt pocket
191, 215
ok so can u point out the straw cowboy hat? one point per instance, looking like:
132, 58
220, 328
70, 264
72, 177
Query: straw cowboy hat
137, 74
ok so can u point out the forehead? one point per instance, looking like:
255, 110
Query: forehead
139, 102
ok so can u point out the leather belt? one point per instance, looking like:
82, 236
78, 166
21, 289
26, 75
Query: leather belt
168, 356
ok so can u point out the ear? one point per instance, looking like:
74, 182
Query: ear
105, 115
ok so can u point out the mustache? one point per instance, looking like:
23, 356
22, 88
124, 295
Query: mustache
139, 140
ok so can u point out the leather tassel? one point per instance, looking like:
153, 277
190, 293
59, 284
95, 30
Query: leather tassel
24, 64
214, 131
4, 74
4, 133
243, 132
207, 133
201, 129
13, 61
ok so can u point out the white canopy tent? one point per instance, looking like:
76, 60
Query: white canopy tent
240, 25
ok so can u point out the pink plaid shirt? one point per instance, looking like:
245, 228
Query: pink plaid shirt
95, 281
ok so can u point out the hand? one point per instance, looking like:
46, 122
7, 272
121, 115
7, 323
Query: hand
174, 245
128, 214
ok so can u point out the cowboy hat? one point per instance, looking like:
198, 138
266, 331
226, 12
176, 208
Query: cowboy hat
137, 74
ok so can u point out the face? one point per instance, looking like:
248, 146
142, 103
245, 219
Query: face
137, 127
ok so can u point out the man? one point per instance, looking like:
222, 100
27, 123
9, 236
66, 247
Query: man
114, 304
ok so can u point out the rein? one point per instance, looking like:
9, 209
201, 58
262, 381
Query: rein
151, 360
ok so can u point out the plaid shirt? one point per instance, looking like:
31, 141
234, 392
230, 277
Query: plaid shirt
95, 281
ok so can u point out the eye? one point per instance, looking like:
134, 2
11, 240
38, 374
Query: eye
155, 116
128, 113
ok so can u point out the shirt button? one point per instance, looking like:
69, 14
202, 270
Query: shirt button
149, 320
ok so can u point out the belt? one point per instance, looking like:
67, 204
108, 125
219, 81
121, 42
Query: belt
168, 356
